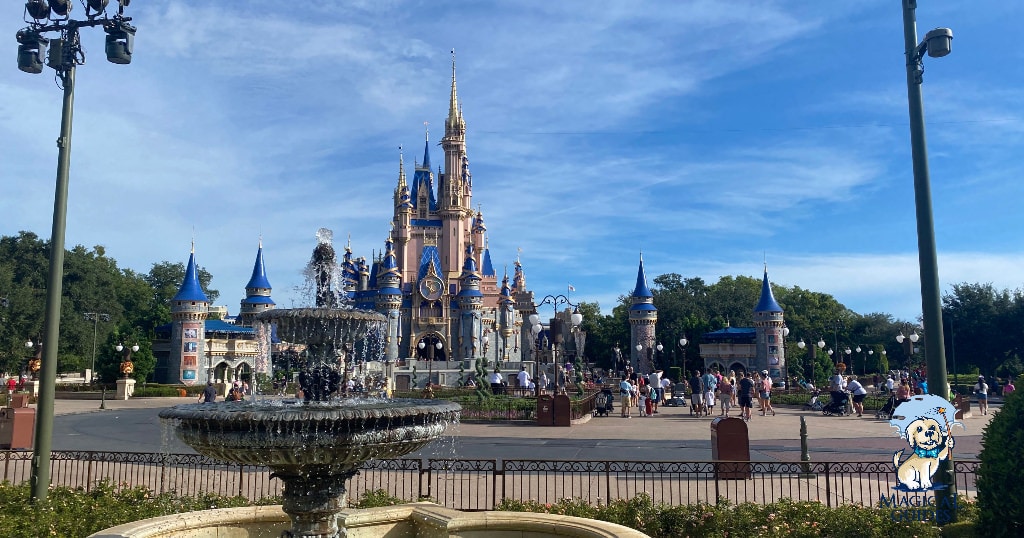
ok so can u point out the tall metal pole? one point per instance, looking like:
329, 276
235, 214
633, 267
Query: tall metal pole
931, 307
54, 289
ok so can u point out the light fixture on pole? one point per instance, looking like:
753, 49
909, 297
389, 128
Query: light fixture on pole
126, 366
937, 43
96, 318
556, 326
682, 344
64, 56
535, 329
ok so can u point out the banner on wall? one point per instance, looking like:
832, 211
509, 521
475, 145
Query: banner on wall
190, 345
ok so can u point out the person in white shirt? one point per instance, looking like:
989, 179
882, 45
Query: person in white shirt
654, 380
523, 377
890, 385
666, 388
859, 393
495, 380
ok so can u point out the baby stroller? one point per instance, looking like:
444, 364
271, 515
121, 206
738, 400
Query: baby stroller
888, 409
605, 403
838, 404
815, 404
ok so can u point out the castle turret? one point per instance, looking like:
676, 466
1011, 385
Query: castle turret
389, 298
189, 310
770, 327
257, 292
455, 216
506, 318
471, 302
402, 225
643, 316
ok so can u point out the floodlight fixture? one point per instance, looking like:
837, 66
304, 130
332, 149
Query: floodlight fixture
38, 9
938, 42
120, 41
31, 50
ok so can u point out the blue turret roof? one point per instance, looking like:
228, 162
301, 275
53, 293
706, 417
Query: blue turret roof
190, 289
426, 155
767, 302
259, 272
429, 257
641, 282
488, 267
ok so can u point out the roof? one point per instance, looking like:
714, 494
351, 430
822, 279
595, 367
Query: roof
258, 299
259, 273
767, 302
732, 333
641, 282
190, 289
643, 306
430, 255
488, 269
221, 326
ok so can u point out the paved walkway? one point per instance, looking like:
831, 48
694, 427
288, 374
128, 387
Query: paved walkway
670, 435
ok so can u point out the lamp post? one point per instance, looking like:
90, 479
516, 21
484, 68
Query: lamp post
937, 43
557, 338
908, 345
126, 367
682, 345
35, 363
535, 329
835, 326
431, 343
96, 318
846, 361
65, 54
864, 352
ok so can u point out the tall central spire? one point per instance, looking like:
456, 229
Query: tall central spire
453, 103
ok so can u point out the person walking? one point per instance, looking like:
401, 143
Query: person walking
746, 395
859, 393
209, 394
725, 395
625, 398
981, 391
696, 394
766, 396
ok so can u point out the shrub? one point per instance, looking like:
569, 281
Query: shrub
1000, 492
784, 518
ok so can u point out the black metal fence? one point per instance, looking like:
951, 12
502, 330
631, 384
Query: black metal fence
481, 484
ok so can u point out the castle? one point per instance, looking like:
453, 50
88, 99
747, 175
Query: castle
434, 281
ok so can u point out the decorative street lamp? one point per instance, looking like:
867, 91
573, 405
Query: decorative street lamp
555, 327
126, 367
65, 53
35, 363
682, 344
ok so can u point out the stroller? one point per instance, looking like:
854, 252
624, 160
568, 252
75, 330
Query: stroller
815, 404
887, 410
838, 404
605, 403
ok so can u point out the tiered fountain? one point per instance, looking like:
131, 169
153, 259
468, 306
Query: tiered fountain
316, 444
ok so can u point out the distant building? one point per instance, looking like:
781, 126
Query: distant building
754, 349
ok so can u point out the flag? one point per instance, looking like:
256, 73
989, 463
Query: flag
571, 288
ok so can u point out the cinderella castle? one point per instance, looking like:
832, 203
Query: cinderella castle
434, 280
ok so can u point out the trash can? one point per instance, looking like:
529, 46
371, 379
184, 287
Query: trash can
730, 443
562, 410
20, 399
17, 426
545, 410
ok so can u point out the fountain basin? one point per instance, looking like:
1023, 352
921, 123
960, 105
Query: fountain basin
416, 520
336, 434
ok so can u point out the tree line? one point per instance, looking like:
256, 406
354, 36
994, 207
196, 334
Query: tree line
102, 305
983, 331
984, 327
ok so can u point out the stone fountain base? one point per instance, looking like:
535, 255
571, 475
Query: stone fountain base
416, 520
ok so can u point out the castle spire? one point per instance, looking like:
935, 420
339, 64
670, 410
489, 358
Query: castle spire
767, 302
190, 289
401, 168
641, 289
453, 103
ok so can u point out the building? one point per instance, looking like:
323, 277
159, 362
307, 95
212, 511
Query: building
757, 348
434, 280
643, 319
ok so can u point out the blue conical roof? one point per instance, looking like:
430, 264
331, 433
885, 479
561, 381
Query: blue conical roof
641, 282
767, 302
259, 273
190, 289
426, 155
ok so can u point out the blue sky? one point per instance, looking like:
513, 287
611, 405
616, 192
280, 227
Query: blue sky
711, 135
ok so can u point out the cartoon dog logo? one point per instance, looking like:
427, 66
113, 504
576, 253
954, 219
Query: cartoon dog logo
925, 423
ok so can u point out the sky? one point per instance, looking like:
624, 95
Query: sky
711, 136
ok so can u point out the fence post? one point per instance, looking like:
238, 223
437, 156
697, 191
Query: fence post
163, 473
88, 475
714, 468
828, 486
424, 472
241, 478
608, 481
498, 470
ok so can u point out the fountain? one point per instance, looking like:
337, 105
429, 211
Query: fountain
316, 443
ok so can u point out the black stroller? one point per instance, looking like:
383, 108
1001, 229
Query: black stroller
815, 403
838, 404
887, 410
678, 398
605, 403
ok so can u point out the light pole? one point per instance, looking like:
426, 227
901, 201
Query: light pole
835, 326
847, 361
682, 344
908, 345
864, 352
535, 329
65, 54
126, 367
432, 343
96, 318
556, 325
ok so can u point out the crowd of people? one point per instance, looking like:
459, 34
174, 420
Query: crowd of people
708, 390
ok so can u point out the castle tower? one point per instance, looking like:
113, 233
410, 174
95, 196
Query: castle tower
471, 303
452, 193
189, 309
389, 298
506, 319
768, 322
402, 225
643, 316
257, 292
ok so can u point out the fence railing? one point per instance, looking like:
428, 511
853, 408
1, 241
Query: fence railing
481, 484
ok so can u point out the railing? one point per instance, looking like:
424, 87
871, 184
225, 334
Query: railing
481, 484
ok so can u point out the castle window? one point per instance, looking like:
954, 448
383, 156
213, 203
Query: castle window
771, 338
